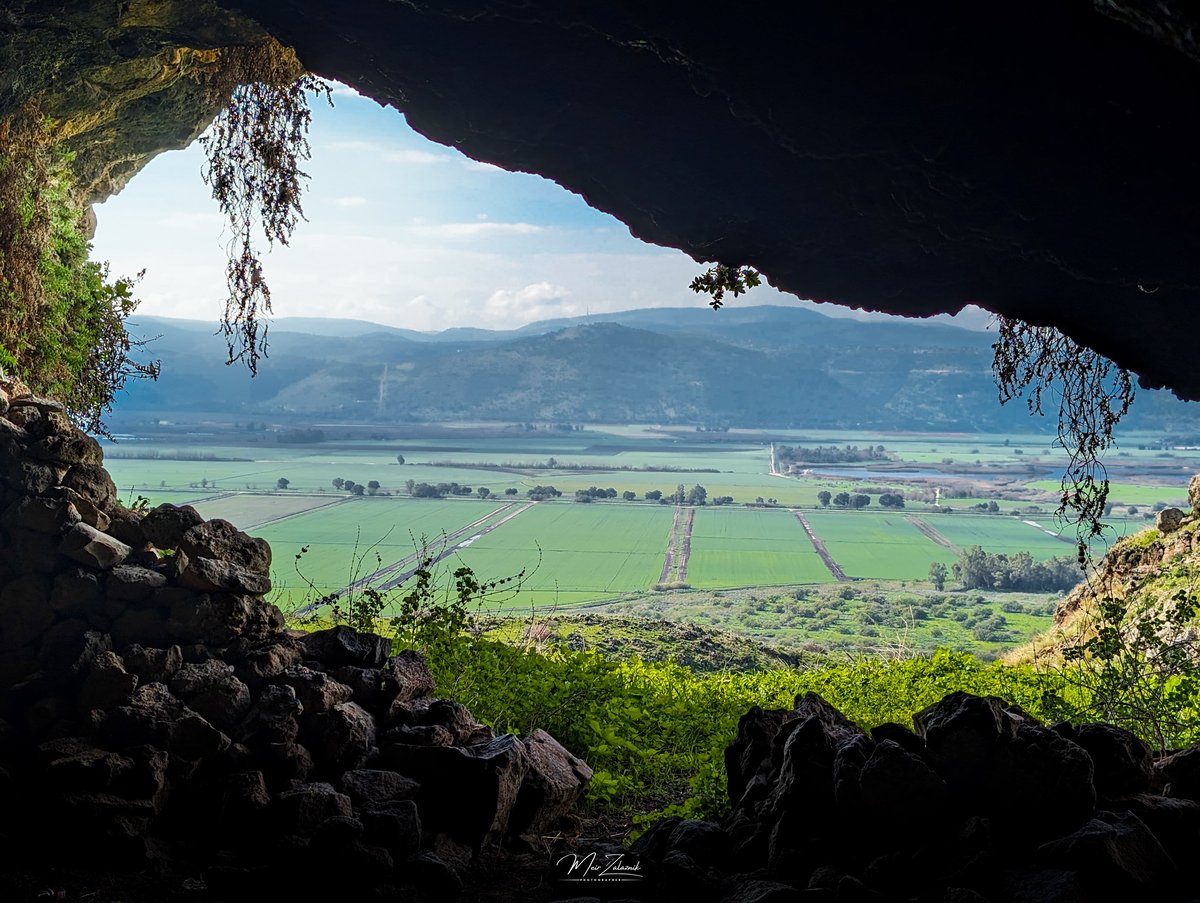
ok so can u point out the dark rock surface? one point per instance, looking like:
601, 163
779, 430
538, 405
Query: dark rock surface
1033, 157
148, 716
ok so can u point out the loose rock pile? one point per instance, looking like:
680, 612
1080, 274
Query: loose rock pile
980, 803
152, 704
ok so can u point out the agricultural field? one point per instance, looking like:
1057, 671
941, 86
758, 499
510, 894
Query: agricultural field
613, 553
751, 547
887, 546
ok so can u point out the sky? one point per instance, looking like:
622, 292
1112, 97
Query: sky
400, 231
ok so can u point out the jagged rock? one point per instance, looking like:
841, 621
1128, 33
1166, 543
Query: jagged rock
420, 735
435, 877
393, 824
316, 690
1175, 823
760, 891
72, 447
748, 753
93, 483
342, 738
899, 791
212, 690
1179, 774
94, 549
33, 552
554, 781
1168, 520
166, 525
411, 674
88, 512
42, 515
1115, 853
1194, 494
34, 478
140, 625
152, 665
303, 810
207, 575
133, 584
124, 525
370, 785
74, 593
193, 737
25, 612
1122, 763
220, 540
371, 688
466, 794
273, 718
107, 683
74, 763
342, 645
266, 662
440, 722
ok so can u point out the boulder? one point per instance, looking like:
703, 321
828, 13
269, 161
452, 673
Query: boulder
207, 575
133, 584
25, 612
1178, 774
394, 825
411, 675
1122, 763
107, 683
212, 690
1194, 494
371, 785
554, 781
272, 720
93, 549
166, 525
220, 540
42, 515
93, 483
75, 592
303, 810
1168, 520
1114, 853
342, 738
342, 645
151, 664
316, 690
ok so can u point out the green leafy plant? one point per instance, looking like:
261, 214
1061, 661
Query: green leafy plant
722, 278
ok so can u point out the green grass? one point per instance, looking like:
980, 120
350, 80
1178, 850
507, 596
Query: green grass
880, 545
740, 547
1130, 493
587, 551
996, 533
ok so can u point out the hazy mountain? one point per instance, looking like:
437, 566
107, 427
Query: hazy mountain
749, 367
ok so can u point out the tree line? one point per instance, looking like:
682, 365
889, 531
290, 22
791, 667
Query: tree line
979, 569
829, 454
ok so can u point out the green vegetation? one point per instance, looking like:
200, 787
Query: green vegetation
880, 545
62, 318
749, 547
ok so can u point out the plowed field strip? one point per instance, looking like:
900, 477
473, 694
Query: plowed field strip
819, 546
933, 534
685, 546
669, 558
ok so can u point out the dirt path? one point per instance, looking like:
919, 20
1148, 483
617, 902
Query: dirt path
392, 575
932, 534
685, 546
833, 566
669, 558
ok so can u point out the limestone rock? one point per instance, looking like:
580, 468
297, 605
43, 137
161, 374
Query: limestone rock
1168, 520
94, 549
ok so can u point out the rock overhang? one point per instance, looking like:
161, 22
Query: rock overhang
1035, 159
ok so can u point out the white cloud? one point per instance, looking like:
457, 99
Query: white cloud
340, 90
354, 200
473, 230
480, 166
537, 301
415, 156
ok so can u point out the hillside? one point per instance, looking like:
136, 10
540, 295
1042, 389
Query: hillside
767, 367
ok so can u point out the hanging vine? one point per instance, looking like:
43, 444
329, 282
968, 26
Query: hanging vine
254, 150
1093, 394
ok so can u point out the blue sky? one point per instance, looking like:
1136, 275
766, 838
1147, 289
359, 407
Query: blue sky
400, 231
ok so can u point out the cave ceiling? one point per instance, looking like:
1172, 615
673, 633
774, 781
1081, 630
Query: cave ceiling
1038, 159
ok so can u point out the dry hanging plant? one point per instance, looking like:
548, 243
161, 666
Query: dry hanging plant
254, 151
1093, 394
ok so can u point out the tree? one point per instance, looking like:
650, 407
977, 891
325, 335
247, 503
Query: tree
628, 496
483, 492
373, 486
697, 495
891, 500
937, 575
842, 500
680, 495
511, 490
348, 485
282, 483
653, 495
358, 489
859, 500
204, 485
824, 497
582, 495
399, 459
338, 482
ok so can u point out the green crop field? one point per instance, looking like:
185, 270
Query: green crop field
867, 544
247, 510
352, 540
587, 551
996, 533
1131, 494
740, 547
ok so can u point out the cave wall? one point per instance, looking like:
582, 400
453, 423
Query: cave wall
1036, 159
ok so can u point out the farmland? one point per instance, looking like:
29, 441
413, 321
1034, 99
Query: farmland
635, 553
